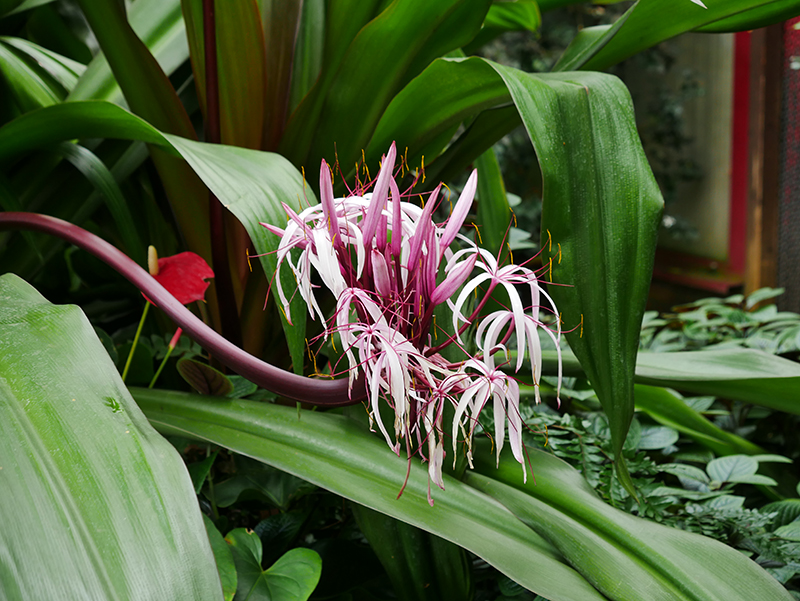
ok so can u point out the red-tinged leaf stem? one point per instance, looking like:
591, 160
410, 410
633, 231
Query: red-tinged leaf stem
328, 393
229, 315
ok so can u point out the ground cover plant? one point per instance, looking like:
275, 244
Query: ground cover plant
436, 321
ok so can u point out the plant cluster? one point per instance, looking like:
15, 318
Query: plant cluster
101, 157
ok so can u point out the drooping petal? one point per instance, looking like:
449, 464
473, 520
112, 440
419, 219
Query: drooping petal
379, 196
326, 197
460, 211
454, 280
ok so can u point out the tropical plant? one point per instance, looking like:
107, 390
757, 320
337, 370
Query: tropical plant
95, 498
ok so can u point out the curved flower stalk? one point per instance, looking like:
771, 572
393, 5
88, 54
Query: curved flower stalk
389, 265
325, 393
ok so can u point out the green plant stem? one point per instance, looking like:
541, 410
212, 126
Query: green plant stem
170, 348
135, 341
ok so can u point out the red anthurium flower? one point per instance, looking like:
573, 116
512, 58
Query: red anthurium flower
184, 275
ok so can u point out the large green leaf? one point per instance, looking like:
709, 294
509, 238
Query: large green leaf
94, 504
669, 410
738, 374
251, 184
625, 557
292, 578
240, 66
159, 25
649, 22
426, 113
775, 12
31, 86
64, 70
340, 455
514, 15
344, 19
387, 53
600, 215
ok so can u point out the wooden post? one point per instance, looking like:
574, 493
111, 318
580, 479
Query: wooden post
764, 150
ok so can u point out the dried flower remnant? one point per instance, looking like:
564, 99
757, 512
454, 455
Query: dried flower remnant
381, 255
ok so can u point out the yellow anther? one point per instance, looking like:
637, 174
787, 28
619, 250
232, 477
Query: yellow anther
514, 216
551, 269
250, 265
152, 260
581, 325
549, 242
477, 231
559, 253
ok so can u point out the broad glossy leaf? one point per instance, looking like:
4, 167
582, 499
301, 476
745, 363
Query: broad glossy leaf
344, 19
64, 70
789, 531
94, 503
204, 378
240, 65
426, 113
600, 215
516, 15
251, 184
224, 560
625, 557
292, 578
340, 455
669, 410
586, 43
657, 437
385, 55
159, 24
728, 469
31, 87
775, 12
737, 374
647, 24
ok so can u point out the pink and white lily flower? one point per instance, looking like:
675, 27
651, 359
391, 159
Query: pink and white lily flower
389, 265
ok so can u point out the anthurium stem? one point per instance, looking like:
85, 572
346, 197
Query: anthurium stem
135, 342
171, 347
229, 315
330, 393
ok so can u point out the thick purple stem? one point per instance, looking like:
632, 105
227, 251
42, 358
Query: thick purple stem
329, 393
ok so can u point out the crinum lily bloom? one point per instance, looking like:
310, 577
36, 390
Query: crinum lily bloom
389, 265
